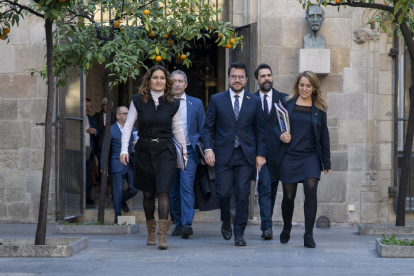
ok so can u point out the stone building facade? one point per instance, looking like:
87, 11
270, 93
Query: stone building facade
359, 93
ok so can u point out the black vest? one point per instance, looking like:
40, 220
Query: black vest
152, 122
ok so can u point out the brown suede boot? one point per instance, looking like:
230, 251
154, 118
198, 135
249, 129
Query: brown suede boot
151, 226
163, 227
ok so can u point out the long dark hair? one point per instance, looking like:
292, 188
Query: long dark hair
144, 91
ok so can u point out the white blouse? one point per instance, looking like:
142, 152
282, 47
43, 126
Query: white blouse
133, 116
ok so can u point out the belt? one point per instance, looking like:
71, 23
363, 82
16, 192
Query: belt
154, 140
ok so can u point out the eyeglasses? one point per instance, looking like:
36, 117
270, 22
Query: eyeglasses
234, 77
125, 113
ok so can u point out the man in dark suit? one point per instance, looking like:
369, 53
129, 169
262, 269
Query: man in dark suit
236, 119
182, 197
268, 177
119, 171
100, 118
91, 133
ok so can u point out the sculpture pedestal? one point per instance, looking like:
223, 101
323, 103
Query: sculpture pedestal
316, 60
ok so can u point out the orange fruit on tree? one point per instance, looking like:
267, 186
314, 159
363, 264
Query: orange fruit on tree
232, 40
371, 21
211, 28
151, 34
122, 28
183, 56
165, 36
62, 1
158, 58
116, 24
146, 12
6, 30
384, 4
228, 46
338, 1
2, 36
131, 10
220, 35
170, 42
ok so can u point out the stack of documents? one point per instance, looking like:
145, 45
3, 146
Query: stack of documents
283, 117
180, 155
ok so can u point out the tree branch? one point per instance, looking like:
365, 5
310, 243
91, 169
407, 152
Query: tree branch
92, 20
364, 5
23, 7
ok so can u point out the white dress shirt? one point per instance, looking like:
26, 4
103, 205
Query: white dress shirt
232, 94
184, 122
121, 128
269, 99
104, 119
177, 128
87, 135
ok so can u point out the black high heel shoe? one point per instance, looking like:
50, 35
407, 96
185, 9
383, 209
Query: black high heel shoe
284, 236
309, 242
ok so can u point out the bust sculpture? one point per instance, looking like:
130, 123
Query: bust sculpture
315, 16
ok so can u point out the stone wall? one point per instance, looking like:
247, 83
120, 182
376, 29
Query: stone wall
22, 105
359, 95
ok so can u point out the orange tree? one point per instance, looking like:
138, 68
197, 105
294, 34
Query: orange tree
395, 17
158, 30
11, 11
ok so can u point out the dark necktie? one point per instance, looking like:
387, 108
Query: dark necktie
265, 106
236, 114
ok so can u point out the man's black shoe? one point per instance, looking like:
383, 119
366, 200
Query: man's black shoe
239, 241
125, 206
186, 231
116, 221
267, 234
177, 231
309, 242
90, 201
226, 230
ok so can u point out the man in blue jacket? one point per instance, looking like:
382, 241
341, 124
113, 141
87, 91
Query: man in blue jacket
119, 171
182, 196
235, 117
269, 176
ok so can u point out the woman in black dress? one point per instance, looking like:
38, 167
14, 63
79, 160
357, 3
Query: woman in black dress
155, 155
304, 153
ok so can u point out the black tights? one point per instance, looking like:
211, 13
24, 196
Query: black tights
310, 186
163, 205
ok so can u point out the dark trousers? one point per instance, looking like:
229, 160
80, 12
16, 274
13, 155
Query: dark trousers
267, 196
119, 195
234, 176
89, 177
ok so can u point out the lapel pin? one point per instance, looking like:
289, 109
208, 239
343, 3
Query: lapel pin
248, 97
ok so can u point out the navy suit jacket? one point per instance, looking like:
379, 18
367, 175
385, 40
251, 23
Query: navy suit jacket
272, 144
222, 122
93, 124
195, 122
115, 145
320, 131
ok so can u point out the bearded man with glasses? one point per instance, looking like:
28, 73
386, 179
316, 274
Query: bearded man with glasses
235, 118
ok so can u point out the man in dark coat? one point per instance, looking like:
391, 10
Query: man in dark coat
91, 133
268, 177
236, 119
100, 118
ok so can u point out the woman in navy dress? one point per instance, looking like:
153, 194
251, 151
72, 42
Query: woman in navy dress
304, 153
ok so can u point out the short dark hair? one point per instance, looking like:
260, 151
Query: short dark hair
237, 65
88, 100
261, 66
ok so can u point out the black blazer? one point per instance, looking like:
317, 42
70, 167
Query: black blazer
93, 124
320, 130
100, 120
249, 127
272, 144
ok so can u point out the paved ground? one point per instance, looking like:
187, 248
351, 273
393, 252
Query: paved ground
339, 251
